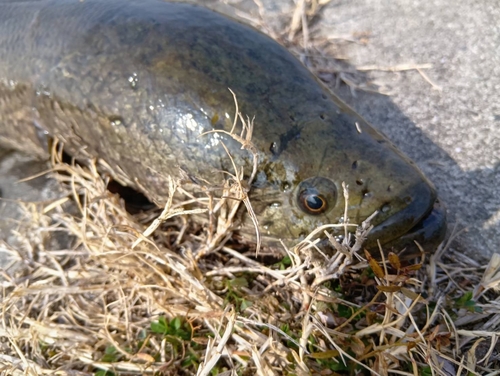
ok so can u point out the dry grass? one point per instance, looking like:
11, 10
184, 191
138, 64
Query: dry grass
135, 295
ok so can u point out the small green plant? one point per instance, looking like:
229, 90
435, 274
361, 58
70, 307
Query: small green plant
329, 360
175, 328
284, 263
178, 333
426, 371
110, 355
191, 359
344, 311
103, 372
466, 302
235, 295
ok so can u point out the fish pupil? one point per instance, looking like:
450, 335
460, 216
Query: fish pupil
314, 202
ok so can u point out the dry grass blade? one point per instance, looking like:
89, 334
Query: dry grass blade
213, 353
167, 212
238, 190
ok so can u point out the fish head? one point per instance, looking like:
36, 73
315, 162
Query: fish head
338, 170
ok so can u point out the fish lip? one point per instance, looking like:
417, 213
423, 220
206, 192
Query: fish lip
429, 232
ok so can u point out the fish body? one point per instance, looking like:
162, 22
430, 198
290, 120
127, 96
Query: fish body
138, 83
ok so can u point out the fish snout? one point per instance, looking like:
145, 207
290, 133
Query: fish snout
422, 220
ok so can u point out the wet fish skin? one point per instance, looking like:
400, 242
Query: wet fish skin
137, 83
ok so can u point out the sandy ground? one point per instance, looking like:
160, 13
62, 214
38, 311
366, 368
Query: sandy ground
448, 127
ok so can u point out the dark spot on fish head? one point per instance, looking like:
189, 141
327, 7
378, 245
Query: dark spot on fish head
274, 149
292, 134
116, 121
267, 225
286, 186
260, 180
385, 208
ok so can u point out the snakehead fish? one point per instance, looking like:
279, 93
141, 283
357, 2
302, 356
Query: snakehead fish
138, 83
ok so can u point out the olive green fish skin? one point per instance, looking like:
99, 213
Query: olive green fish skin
137, 82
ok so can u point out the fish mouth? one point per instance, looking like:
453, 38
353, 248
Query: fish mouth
429, 232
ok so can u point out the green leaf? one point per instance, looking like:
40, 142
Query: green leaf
158, 328
344, 311
426, 371
238, 282
464, 298
110, 355
176, 323
245, 304
103, 372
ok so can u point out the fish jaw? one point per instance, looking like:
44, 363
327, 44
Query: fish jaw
426, 236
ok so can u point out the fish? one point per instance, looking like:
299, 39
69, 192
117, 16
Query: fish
147, 86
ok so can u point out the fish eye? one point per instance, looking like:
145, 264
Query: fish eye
312, 202
316, 195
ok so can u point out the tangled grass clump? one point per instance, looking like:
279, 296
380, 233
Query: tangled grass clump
130, 295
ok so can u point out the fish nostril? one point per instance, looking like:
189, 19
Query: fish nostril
274, 148
385, 208
267, 225
285, 187
116, 121
366, 193
359, 182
